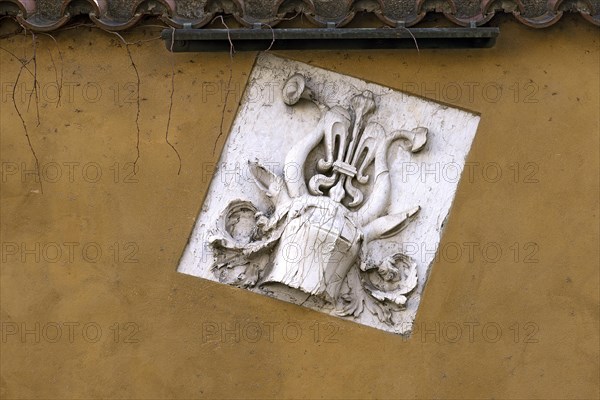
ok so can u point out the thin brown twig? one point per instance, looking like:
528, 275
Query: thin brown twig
171, 100
292, 17
35, 80
413, 37
24, 61
21, 60
137, 115
231, 52
37, 162
22, 28
68, 28
62, 64
138, 42
414, 40
55, 74
127, 44
273, 40
231, 47
417, 46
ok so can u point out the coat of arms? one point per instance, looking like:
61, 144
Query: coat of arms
310, 231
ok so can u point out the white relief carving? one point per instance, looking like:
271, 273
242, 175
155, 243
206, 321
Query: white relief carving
315, 219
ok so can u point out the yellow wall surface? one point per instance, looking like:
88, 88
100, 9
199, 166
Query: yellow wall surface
91, 252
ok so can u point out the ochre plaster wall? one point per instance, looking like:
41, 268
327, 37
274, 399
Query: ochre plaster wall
542, 292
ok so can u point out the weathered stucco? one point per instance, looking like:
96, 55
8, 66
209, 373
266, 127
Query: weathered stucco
537, 92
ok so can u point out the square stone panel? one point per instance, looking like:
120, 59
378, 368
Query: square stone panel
332, 193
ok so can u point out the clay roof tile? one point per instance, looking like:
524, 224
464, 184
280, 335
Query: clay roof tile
114, 15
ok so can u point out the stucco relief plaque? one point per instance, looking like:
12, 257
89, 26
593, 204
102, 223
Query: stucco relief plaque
331, 193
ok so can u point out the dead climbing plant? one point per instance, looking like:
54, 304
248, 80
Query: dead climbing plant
231, 53
25, 61
172, 58
28, 64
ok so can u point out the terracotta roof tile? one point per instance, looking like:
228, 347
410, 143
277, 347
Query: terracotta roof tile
48, 15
